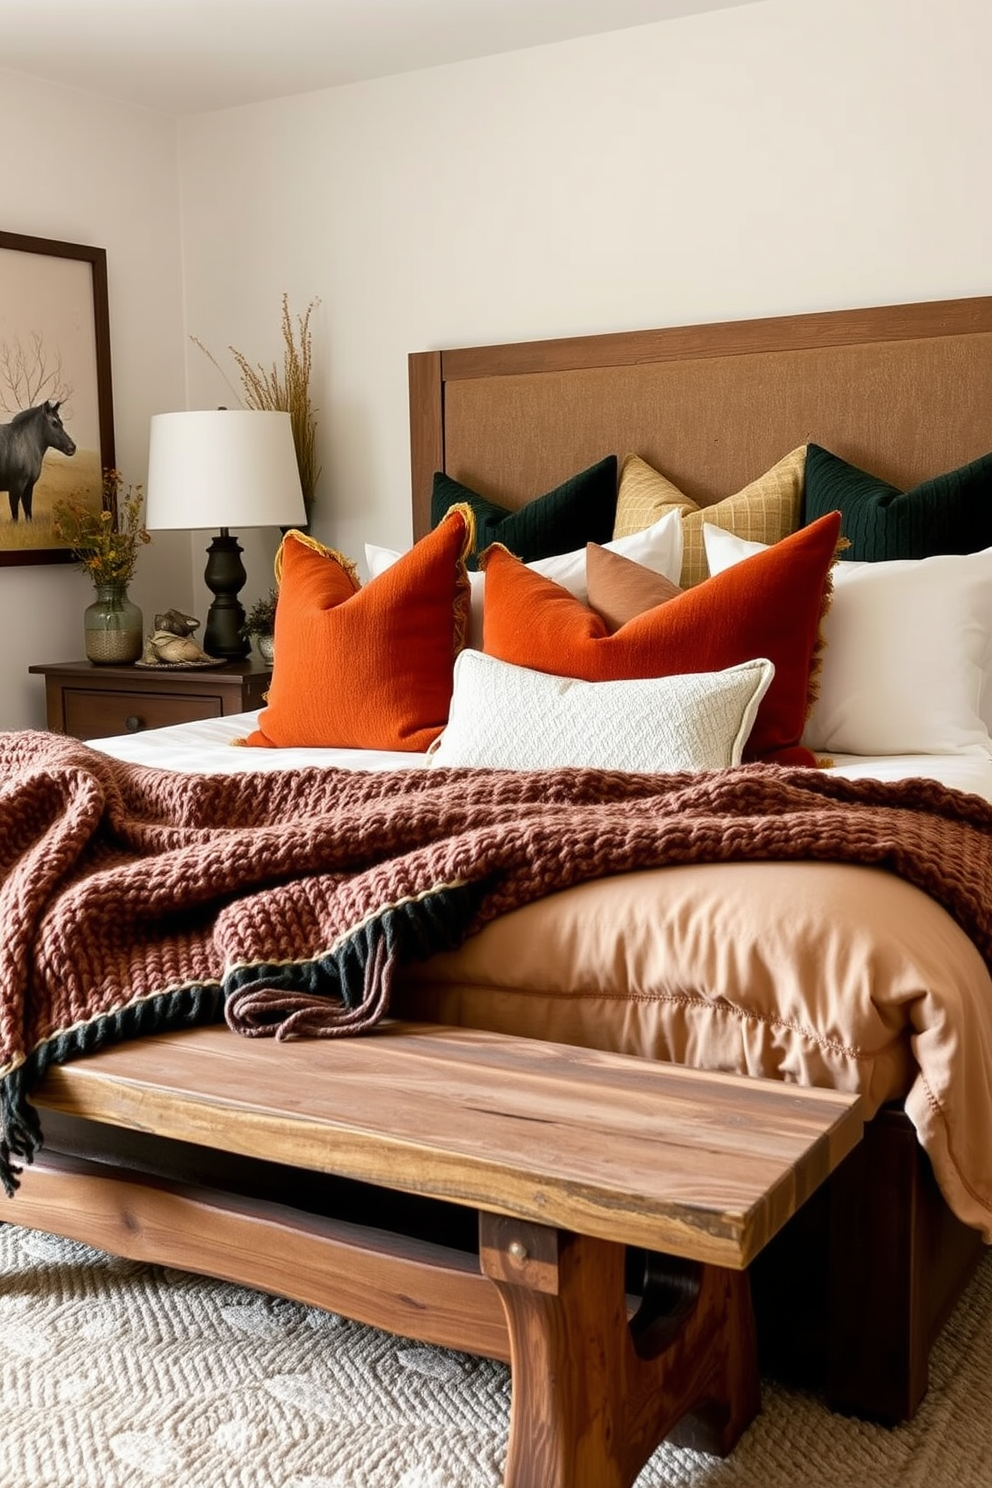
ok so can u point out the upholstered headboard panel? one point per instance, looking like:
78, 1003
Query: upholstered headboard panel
902, 390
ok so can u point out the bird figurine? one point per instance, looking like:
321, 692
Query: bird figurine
164, 647
176, 623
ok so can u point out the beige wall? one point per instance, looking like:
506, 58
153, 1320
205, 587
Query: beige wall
80, 170
783, 156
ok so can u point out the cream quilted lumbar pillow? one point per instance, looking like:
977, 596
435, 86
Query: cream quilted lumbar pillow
512, 718
765, 511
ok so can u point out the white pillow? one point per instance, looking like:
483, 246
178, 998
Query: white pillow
908, 645
658, 547
509, 717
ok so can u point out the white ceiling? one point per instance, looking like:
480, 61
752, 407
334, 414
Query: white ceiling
186, 56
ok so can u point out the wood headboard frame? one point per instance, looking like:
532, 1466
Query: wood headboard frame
902, 390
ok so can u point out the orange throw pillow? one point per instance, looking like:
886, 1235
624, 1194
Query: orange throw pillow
372, 667
772, 606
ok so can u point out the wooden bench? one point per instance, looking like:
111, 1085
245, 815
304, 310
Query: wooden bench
570, 1156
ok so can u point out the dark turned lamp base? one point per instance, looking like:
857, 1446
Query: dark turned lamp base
225, 576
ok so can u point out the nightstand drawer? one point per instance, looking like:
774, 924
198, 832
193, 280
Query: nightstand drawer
99, 715
96, 702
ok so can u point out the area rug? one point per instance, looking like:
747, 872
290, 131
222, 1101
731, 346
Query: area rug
119, 1375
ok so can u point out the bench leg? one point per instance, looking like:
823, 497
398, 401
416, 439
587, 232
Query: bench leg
592, 1396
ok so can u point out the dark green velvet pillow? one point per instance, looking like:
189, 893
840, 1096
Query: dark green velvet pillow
952, 513
579, 511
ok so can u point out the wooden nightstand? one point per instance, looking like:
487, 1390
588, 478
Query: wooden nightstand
95, 702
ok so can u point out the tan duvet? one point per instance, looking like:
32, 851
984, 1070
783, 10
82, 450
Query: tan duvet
819, 973
825, 974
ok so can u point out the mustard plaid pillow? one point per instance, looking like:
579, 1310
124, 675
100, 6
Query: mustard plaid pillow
765, 511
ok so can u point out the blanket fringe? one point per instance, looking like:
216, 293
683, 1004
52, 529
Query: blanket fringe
348, 991
259, 1010
20, 1126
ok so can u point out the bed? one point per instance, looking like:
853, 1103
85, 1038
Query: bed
881, 1252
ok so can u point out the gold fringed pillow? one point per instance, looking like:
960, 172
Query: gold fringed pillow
764, 511
367, 667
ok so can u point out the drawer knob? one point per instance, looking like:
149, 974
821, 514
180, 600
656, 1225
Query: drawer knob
133, 723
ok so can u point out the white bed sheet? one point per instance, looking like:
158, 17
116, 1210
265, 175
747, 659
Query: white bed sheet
210, 746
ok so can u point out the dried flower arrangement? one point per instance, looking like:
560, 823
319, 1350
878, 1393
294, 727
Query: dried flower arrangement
105, 542
284, 390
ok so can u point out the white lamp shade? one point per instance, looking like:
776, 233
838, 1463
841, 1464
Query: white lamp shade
223, 468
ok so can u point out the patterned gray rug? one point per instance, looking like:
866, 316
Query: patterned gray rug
117, 1375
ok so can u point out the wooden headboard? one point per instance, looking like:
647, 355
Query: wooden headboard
904, 391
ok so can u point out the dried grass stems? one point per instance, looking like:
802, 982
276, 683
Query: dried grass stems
284, 390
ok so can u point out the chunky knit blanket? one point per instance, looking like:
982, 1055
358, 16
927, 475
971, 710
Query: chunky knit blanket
136, 899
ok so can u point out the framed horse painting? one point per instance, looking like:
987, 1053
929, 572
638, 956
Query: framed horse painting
56, 406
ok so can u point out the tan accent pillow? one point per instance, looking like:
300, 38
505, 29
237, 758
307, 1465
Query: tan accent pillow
765, 511
618, 588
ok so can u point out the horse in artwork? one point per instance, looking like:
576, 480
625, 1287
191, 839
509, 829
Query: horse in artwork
23, 443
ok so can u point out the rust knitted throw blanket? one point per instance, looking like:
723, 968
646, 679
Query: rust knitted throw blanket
134, 899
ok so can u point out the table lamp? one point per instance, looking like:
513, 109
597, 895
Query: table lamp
223, 468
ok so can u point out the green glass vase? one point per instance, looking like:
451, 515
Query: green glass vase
112, 626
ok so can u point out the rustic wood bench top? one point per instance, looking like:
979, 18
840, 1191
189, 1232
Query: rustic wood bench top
571, 1157
704, 1166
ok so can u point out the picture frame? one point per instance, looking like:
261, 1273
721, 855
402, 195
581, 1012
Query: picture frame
54, 350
